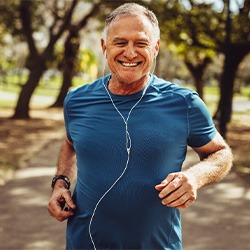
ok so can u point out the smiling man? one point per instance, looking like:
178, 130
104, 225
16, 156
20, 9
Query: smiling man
126, 135
130, 50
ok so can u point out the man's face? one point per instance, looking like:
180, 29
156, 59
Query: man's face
130, 48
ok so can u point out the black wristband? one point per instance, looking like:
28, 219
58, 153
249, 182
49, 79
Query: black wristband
60, 177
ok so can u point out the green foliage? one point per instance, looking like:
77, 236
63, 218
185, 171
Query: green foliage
9, 19
87, 61
241, 24
184, 30
200, 26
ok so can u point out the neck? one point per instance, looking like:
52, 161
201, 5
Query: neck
122, 88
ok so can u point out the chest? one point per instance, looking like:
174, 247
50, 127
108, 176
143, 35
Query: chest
152, 126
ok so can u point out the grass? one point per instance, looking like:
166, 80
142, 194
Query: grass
13, 84
7, 104
49, 89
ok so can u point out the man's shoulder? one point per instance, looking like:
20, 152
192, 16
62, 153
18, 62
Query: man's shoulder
86, 88
169, 87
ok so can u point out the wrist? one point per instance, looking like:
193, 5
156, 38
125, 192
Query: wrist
193, 178
60, 184
61, 181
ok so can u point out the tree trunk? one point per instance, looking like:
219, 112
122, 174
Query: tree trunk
72, 46
199, 85
233, 57
37, 60
197, 71
22, 107
234, 54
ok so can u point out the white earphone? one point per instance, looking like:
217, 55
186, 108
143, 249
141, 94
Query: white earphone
128, 145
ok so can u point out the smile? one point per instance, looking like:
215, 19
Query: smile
125, 64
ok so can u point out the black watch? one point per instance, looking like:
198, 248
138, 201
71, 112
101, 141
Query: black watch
60, 177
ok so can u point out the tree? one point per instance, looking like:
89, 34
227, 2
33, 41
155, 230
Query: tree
230, 37
181, 30
9, 36
196, 61
200, 26
236, 47
39, 57
72, 45
197, 70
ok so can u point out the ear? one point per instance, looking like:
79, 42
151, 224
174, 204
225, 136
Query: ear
157, 47
103, 46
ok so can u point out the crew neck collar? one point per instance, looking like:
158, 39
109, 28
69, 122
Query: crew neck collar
107, 79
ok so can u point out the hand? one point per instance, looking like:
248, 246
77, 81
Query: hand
60, 198
178, 190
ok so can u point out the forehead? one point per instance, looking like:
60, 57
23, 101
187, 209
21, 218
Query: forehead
130, 26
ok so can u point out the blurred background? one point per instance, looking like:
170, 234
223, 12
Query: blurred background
50, 46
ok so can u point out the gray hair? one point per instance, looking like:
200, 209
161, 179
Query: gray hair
132, 9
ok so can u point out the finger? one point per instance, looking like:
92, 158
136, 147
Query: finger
57, 203
181, 200
58, 213
165, 182
172, 186
63, 215
69, 202
174, 196
65, 199
159, 187
186, 204
55, 206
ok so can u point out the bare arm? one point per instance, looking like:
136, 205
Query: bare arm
216, 161
61, 195
180, 189
67, 160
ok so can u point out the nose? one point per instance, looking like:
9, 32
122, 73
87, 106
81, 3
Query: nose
130, 52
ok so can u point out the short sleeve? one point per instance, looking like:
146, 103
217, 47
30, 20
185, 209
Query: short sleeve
66, 118
201, 129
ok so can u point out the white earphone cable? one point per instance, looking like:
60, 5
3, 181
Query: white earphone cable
128, 148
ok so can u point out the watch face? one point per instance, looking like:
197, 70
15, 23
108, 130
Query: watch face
60, 177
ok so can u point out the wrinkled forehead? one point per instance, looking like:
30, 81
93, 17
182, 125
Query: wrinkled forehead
129, 23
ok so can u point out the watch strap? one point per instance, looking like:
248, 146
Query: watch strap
60, 177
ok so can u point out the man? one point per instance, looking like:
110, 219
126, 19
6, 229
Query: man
128, 133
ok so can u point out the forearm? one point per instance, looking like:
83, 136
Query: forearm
67, 161
212, 168
180, 189
61, 196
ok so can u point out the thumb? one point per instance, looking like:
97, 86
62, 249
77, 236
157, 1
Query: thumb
69, 201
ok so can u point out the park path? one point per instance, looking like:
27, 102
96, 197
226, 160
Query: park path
220, 218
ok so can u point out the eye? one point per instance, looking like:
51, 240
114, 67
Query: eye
120, 44
142, 44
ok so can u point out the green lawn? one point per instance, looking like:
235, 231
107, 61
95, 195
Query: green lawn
47, 89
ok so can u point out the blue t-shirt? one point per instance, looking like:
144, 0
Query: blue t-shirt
130, 216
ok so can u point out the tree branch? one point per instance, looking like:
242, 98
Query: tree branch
54, 11
62, 28
82, 23
24, 9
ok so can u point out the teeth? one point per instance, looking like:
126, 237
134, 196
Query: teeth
129, 64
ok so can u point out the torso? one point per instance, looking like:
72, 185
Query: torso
131, 214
